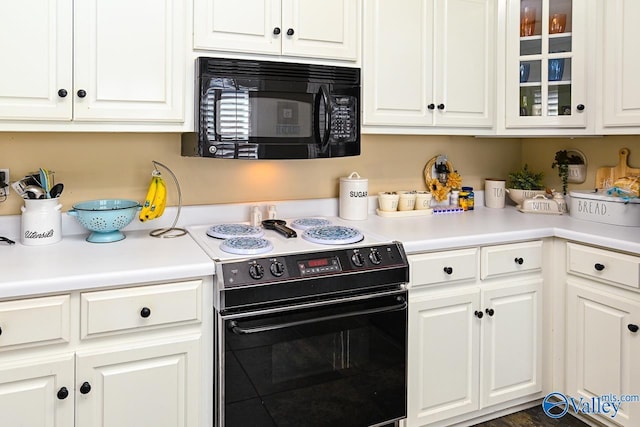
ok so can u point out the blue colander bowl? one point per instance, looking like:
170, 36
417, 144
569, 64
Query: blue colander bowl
105, 218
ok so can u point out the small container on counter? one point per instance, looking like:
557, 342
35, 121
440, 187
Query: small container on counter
407, 201
470, 198
423, 200
454, 199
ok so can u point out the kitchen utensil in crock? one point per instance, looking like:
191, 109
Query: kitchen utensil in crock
280, 226
104, 218
56, 190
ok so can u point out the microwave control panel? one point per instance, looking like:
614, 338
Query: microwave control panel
343, 118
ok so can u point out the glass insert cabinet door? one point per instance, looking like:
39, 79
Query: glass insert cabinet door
545, 73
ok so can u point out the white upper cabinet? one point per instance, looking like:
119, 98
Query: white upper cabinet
36, 51
328, 29
546, 67
91, 61
429, 63
620, 72
129, 59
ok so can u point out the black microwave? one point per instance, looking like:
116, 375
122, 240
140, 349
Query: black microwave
249, 109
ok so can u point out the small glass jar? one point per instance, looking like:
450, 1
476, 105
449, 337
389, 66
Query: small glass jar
470, 197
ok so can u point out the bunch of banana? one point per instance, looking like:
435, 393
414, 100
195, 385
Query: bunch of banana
156, 199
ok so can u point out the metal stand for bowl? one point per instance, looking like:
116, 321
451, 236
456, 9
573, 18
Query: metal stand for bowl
172, 231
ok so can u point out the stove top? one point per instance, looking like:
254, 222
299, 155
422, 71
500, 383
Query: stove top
311, 239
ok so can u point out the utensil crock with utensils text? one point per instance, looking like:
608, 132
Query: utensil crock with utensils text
41, 222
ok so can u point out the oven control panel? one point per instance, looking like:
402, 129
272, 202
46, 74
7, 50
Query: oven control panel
292, 267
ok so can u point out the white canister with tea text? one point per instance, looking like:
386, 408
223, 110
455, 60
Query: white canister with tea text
354, 197
41, 222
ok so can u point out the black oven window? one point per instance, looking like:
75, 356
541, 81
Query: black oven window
318, 375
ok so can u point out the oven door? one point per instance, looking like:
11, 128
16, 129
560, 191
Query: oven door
342, 364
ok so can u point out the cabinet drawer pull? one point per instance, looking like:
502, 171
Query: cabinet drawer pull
519, 261
290, 32
478, 314
489, 311
63, 393
633, 328
276, 30
145, 312
599, 267
85, 388
448, 270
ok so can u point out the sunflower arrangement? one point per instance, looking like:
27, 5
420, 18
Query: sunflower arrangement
441, 192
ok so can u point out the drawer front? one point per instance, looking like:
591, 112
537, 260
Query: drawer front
603, 265
443, 267
34, 321
512, 258
126, 310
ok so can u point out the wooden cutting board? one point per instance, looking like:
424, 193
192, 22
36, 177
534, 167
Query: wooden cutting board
605, 176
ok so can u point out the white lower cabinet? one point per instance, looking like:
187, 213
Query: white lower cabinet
142, 386
603, 340
473, 343
149, 373
37, 392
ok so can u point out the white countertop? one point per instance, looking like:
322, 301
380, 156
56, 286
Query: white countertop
75, 264
489, 226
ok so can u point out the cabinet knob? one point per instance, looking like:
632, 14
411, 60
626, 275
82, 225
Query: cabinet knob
440, 106
478, 314
276, 30
62, 93
580, 107
82, 93
63, 393
431, 106
145, 312
0, 331
519, 261
290, 32
599, 267
448, 270
85, 388
489, 311
633, 328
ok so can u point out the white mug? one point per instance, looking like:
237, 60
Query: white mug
494, 193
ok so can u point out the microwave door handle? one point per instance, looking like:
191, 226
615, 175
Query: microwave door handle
323, 139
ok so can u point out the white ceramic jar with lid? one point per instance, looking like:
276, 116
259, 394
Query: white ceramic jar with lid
354, 197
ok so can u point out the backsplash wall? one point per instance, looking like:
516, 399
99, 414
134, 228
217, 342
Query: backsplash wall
118, 165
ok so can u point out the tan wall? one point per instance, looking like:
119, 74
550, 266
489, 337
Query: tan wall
603, 151
118, 165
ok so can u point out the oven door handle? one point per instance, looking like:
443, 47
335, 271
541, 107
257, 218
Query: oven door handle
238, 330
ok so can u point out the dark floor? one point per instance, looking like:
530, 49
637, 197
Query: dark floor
533, 417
